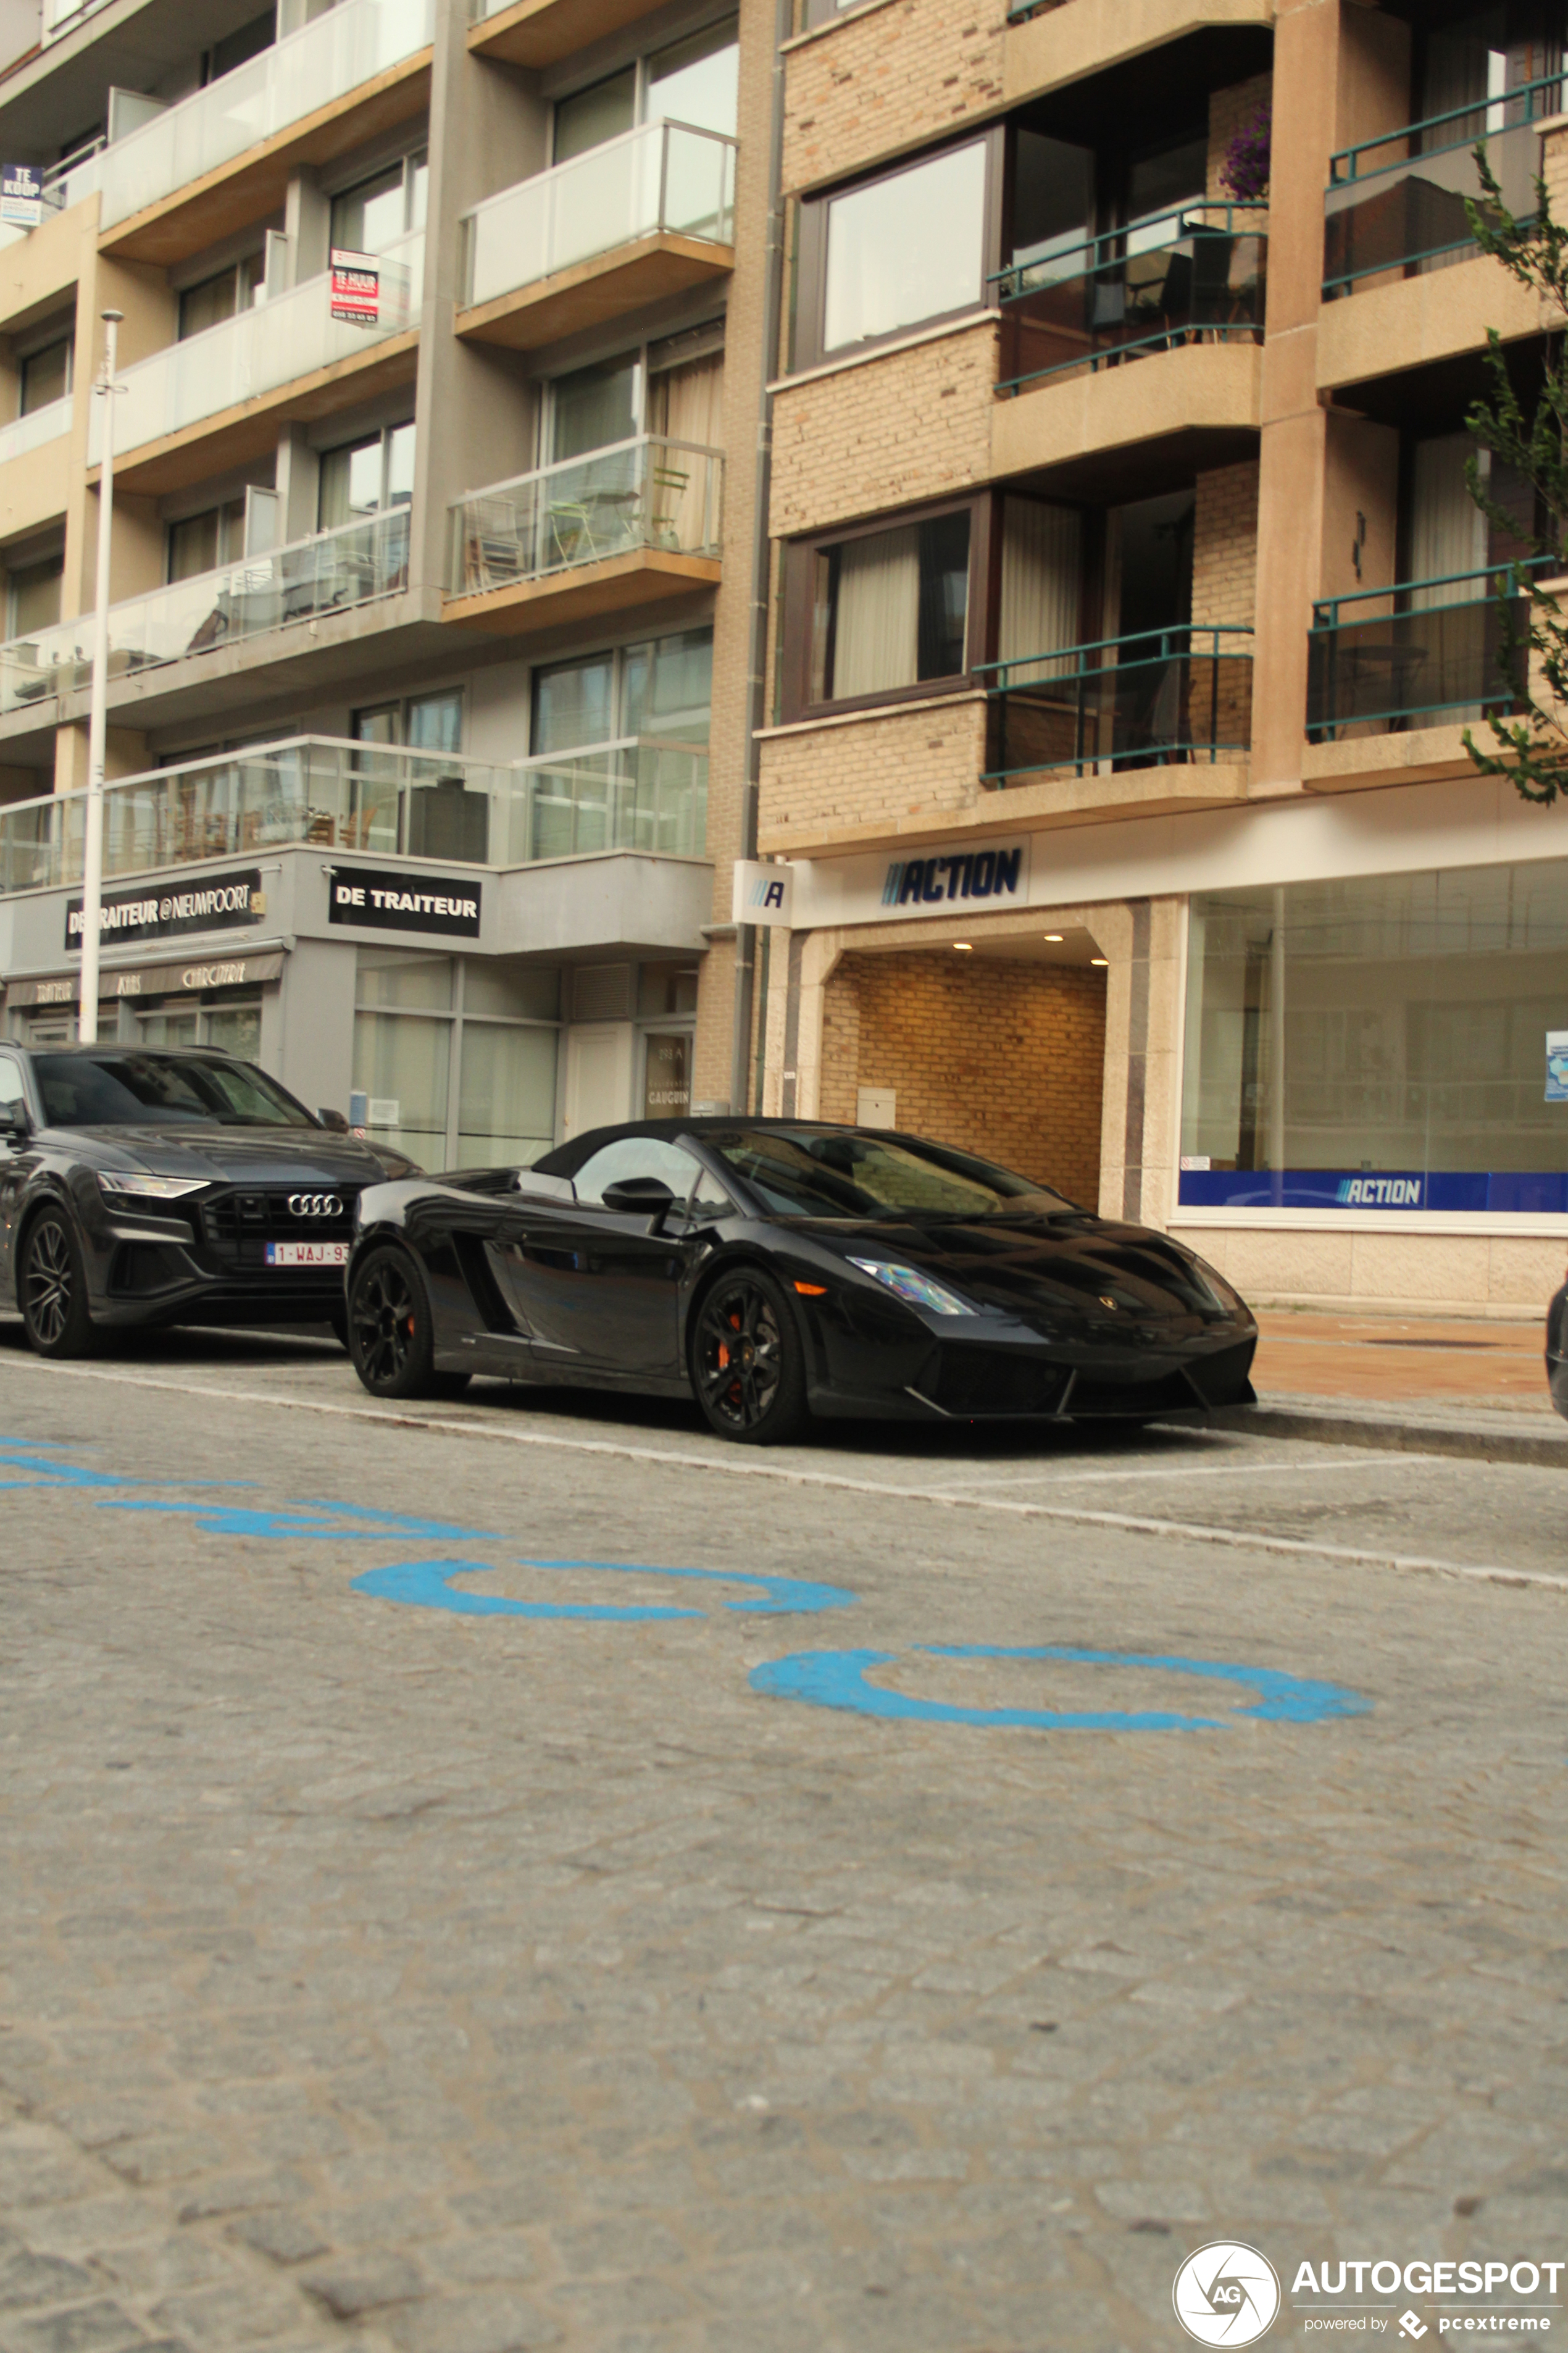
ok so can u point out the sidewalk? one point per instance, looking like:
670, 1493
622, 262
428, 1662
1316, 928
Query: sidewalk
1410, 1385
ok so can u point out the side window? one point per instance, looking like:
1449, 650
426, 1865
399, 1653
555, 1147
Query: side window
12, 1089
634, 1156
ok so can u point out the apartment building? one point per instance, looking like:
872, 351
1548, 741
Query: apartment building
1129, 609
432, 587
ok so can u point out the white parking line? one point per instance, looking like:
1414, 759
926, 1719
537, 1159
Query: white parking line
1235, 1469
724, 1461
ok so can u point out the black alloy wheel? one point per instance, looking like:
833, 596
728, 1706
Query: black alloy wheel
747, 1363
51, 1288
392, 1330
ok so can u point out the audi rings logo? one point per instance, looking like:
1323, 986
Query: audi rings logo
1226, 2294
314, 1204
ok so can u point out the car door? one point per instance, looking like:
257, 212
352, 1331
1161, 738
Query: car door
598, 1288
17, 1161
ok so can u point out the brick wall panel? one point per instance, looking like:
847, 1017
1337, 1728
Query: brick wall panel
886, 434
891, 767
887, 79
1003, 1059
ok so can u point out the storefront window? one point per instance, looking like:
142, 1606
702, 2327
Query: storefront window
508, 1107
458, 1062
667, 1082
403, 1056
390, 976
1379, 1042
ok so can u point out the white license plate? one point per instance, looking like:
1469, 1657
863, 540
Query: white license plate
307, 1254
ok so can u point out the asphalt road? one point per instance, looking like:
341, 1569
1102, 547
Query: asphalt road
524, 1873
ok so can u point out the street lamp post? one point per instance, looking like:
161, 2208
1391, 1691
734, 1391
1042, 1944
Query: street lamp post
98, 732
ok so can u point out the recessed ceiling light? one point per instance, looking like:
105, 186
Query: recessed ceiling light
964, 947
1052, 935
1099, 959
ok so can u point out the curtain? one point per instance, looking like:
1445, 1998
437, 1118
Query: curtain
1041, 566
1448, 529
687, 404
876, 633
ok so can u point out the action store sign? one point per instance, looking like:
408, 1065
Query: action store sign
384, 900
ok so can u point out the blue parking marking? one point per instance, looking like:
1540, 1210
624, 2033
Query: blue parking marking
48, 1471
428, 1585
311, 1523
837, 1679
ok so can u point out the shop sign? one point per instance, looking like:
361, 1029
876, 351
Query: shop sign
998, 875
762, 893
385, 900
1557, 1066
367, 291
21, 195
150, 980
1474, 1192
220, 902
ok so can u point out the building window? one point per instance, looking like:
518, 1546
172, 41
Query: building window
46, 374
874, 614
226, 292
374, 213
365, 477
33, 597
1385, 1027
673, 390
237, 48
458, 1060
232, 1026
201, 542
913, 245
662, 689
695, 81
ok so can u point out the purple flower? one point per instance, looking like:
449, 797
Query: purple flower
1245, 172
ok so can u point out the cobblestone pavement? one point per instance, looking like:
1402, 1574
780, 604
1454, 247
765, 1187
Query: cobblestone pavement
380, 1969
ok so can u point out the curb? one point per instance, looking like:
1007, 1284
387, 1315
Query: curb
1335, 1426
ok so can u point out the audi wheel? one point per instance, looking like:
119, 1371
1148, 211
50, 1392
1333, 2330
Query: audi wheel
392, 1329
747, 1363
51, 1288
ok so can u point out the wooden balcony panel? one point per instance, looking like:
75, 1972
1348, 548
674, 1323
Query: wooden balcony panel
542, 32
588, 592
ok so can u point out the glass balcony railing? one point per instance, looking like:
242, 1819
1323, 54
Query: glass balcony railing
25, 434
329, 573
644, 793
637, 494
1164, 697
259, 351
1398, 201
666, 177
1426, 650
324, 60
1193, 276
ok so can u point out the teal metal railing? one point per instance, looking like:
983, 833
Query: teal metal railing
1196, 273
1416, 650
1398, 201
1155, 698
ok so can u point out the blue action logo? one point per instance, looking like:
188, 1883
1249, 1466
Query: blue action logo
838, 1679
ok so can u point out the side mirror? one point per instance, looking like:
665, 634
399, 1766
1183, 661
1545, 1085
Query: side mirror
334, 1121
15, 1126
644, 1197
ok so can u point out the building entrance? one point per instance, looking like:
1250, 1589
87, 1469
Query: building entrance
999, 1050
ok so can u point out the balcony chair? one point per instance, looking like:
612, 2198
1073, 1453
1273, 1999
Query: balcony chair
667, 488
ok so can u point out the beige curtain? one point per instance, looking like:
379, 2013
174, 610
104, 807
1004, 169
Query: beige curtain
1448, 530
687, 404
1041, 565
876, 641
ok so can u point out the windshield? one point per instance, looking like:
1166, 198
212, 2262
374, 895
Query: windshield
124, 1088
813, 1174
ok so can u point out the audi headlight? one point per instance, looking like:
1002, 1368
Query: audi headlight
915, 1289
124, 1184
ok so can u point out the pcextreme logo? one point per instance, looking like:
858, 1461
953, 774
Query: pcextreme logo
1226, 2293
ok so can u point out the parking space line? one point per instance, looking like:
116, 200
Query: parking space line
1232, 1469
787, 1474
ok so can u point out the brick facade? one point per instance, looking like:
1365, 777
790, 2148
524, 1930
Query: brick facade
888, 78
1225, 594
885, 433
1005, 1059
885, 771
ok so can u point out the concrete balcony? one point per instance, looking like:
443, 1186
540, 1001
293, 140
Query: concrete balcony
642, 794
258, 602
222, 157
35, 468
1050, 43
542, 32
216, 400
631, 525
644, 215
